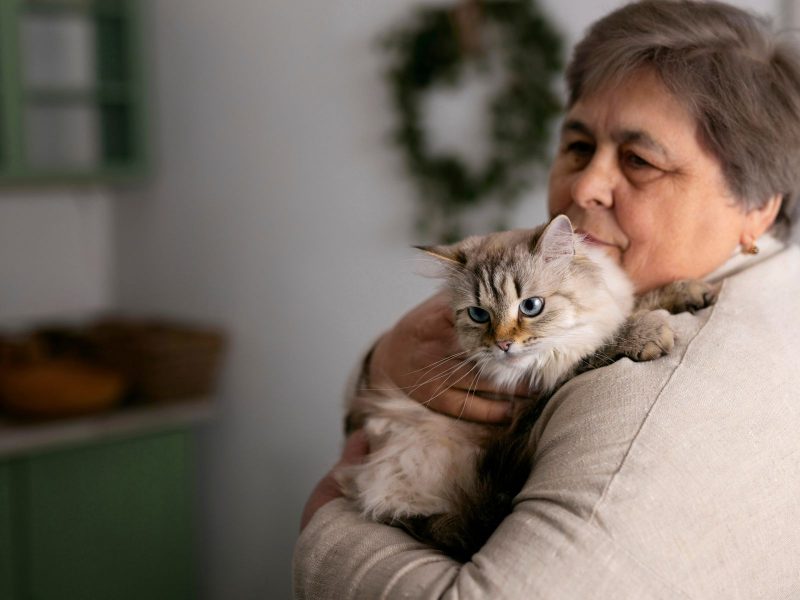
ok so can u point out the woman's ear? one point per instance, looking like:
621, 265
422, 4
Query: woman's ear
758, 220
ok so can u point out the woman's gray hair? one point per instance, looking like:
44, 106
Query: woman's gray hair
740, 80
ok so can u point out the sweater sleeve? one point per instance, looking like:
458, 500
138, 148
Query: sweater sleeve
540, 551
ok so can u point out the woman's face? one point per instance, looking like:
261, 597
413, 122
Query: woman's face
631, 174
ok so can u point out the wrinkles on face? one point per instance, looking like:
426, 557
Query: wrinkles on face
632, 175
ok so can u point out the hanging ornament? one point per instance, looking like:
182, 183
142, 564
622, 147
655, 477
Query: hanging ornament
434, 51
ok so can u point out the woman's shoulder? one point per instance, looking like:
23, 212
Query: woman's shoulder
731, 361
677, 458
618, 395
752, 331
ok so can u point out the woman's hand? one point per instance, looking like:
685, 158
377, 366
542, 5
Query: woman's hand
421, 357
356, 447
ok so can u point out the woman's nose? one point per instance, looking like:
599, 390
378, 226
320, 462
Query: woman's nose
595, 185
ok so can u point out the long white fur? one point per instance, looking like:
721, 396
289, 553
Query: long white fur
417, 459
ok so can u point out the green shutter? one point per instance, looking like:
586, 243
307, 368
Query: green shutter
114, 100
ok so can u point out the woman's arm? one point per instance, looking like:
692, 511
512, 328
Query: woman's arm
555, 544
375, 556
674, 478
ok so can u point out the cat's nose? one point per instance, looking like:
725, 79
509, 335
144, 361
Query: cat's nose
504, 345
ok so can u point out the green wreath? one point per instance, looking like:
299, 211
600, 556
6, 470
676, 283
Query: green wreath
432, 51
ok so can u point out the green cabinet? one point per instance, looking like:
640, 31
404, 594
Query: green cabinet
7, 570
71, 91
110, 520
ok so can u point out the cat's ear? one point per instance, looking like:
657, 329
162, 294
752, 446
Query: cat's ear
557, 240
450, 254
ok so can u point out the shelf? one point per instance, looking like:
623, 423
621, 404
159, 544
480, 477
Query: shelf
96, 7
40, 177
24, 438
105, 94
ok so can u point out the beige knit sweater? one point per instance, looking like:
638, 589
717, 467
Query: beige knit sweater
678, 478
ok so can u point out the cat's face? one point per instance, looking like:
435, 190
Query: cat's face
510, 313
518, 296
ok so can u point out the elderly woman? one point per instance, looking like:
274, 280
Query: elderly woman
676, 478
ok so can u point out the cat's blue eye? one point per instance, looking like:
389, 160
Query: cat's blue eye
477, 314
530, 307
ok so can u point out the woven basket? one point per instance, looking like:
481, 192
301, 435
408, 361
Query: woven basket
35, 383
162, 360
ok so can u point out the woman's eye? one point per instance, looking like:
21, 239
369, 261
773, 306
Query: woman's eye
530, 307
636, 161
579, 148
477, 314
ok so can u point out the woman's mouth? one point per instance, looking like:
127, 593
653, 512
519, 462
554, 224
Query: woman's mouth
612, 250
589, 238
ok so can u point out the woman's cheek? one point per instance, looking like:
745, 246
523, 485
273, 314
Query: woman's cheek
559, 197
644, 269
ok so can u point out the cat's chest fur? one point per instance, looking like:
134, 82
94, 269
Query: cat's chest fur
420, 462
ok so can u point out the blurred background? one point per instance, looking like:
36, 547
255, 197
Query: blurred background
224, 164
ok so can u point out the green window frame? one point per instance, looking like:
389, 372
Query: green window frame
115, 97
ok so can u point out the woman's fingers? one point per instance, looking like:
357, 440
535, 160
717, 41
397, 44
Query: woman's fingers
356, 448
453, 387
460, 404
326, 490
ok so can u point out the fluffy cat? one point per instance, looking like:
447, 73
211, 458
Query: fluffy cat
535, 306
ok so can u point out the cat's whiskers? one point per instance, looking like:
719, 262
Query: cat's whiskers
439, 391
446, 374
607, 358
410, 389
418, 384
444, 381
437, 363
473, 387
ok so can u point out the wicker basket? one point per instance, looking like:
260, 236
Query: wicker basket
162, 360
36, 383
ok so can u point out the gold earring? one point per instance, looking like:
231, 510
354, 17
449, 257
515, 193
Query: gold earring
752, 249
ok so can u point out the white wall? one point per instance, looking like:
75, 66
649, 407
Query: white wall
55, 254
55, 241
279, 212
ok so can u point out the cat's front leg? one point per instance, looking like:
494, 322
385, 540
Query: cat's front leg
645, 335
686, 295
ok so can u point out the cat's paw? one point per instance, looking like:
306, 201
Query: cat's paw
688, 295
648, 336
